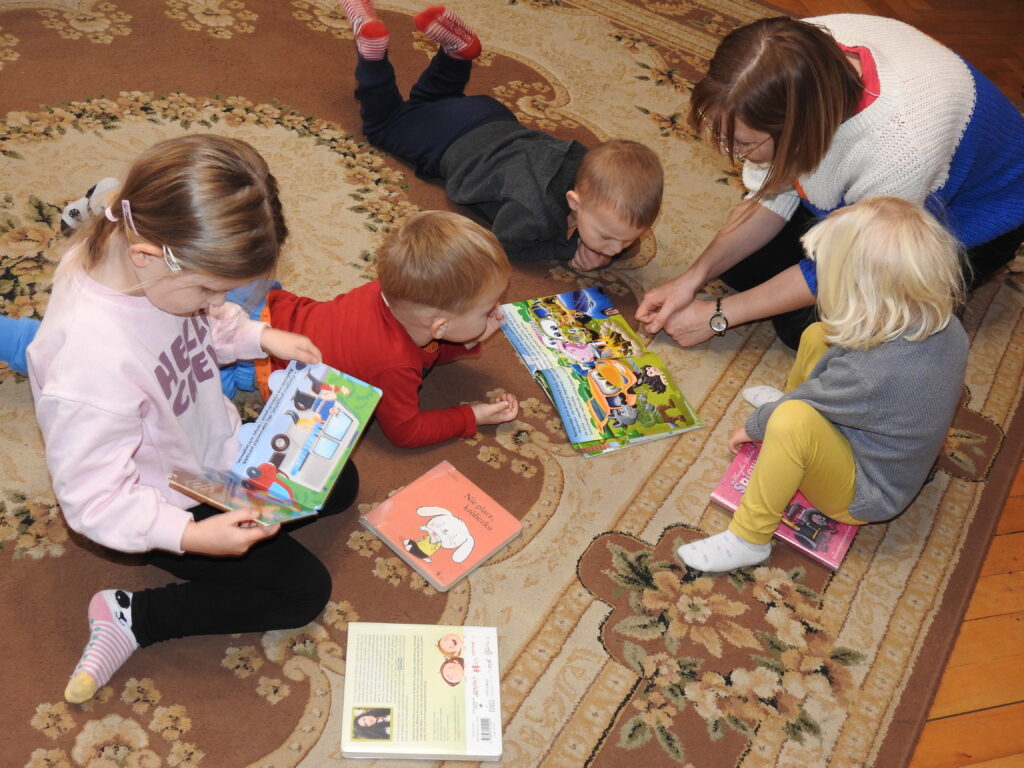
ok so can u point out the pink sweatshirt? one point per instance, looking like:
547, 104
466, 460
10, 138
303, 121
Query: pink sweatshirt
125, 393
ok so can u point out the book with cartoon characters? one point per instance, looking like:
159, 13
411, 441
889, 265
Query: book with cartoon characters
608, 388
803, 527
421, 691
443, 525
292, 454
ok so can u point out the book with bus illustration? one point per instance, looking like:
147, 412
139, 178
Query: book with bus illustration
421, 691
609, 389
803, 527
292, 454
443, 525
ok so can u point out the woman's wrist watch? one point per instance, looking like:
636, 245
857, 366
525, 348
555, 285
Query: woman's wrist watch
718, 322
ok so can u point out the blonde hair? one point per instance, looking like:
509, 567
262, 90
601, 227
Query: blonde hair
210, 199
441, 260
783, 77
886, 269
625, 175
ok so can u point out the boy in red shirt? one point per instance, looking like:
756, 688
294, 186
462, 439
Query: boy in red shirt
441, 277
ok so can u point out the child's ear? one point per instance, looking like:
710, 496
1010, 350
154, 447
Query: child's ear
573, 198
438, 326
140, 253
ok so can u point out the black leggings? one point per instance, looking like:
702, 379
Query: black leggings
278, 584
785, 250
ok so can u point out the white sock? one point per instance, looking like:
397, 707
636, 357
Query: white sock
724, 551
759, 394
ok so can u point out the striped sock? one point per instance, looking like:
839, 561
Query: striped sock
449, 31
371, 35
111, 642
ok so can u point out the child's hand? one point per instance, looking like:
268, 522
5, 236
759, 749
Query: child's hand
587, 260
285, 345
493, 323
504, 408
227, 534
738, 438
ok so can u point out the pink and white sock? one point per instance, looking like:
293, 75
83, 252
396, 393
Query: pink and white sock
724, 551
449, 31
372, 36
111, 642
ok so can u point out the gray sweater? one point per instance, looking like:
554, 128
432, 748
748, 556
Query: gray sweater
516, 178
894, 403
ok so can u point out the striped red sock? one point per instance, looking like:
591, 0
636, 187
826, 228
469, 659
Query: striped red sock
449, 31
370, 33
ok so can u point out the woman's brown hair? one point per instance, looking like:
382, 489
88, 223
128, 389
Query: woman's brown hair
212, 200
783, 77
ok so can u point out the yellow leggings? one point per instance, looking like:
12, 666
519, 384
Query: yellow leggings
802, 450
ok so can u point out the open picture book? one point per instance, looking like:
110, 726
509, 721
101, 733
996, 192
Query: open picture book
609, 389
421, 691
443, 525
804, 527
293, 453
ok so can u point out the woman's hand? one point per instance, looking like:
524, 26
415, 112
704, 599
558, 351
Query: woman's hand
692, 324
738, 438
285, 345
227, 534
662, 303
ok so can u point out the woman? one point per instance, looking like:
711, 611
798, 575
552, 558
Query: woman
824, 112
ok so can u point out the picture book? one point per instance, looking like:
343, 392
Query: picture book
443, 525
804, 527
608, 388
421, 691
291, 455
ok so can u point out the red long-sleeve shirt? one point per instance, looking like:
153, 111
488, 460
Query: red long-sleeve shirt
358, 334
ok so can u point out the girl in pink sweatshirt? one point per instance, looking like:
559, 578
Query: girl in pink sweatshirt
124, 376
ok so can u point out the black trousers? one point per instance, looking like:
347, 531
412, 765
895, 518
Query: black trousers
785, 250
278, 584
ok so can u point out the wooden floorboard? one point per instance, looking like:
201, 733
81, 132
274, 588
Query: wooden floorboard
977, 719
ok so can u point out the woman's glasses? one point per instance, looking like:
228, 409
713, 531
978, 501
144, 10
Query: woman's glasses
741, 149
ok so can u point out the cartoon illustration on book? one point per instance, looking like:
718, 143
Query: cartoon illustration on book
810, 527
608, 388
292, 454
443, 531
453, 670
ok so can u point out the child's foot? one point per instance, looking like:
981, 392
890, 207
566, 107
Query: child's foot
111, 642
371, 35
760, 394
724, 551
449, 31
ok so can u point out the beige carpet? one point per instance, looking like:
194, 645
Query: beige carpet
611, 655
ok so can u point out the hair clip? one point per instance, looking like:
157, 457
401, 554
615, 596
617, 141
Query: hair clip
170, 259
109, 213
126, 212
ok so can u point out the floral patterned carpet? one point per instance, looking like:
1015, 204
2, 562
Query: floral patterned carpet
612, 654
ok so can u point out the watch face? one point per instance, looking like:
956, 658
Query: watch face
719, 323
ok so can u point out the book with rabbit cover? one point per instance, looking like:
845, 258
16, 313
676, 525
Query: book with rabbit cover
443, 525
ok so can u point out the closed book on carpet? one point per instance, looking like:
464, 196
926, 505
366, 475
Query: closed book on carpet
443, 525
421, 691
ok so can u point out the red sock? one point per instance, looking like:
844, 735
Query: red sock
371, 34
372, 40
449, 31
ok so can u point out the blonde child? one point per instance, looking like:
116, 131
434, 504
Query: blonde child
124, 376
874, 386
544, 198
441, 277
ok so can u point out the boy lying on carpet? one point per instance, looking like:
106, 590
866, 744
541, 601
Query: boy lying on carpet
545, 198
440, 280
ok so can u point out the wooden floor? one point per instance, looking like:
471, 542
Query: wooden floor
978, 716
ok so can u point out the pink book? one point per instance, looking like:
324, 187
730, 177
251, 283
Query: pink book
804, 527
